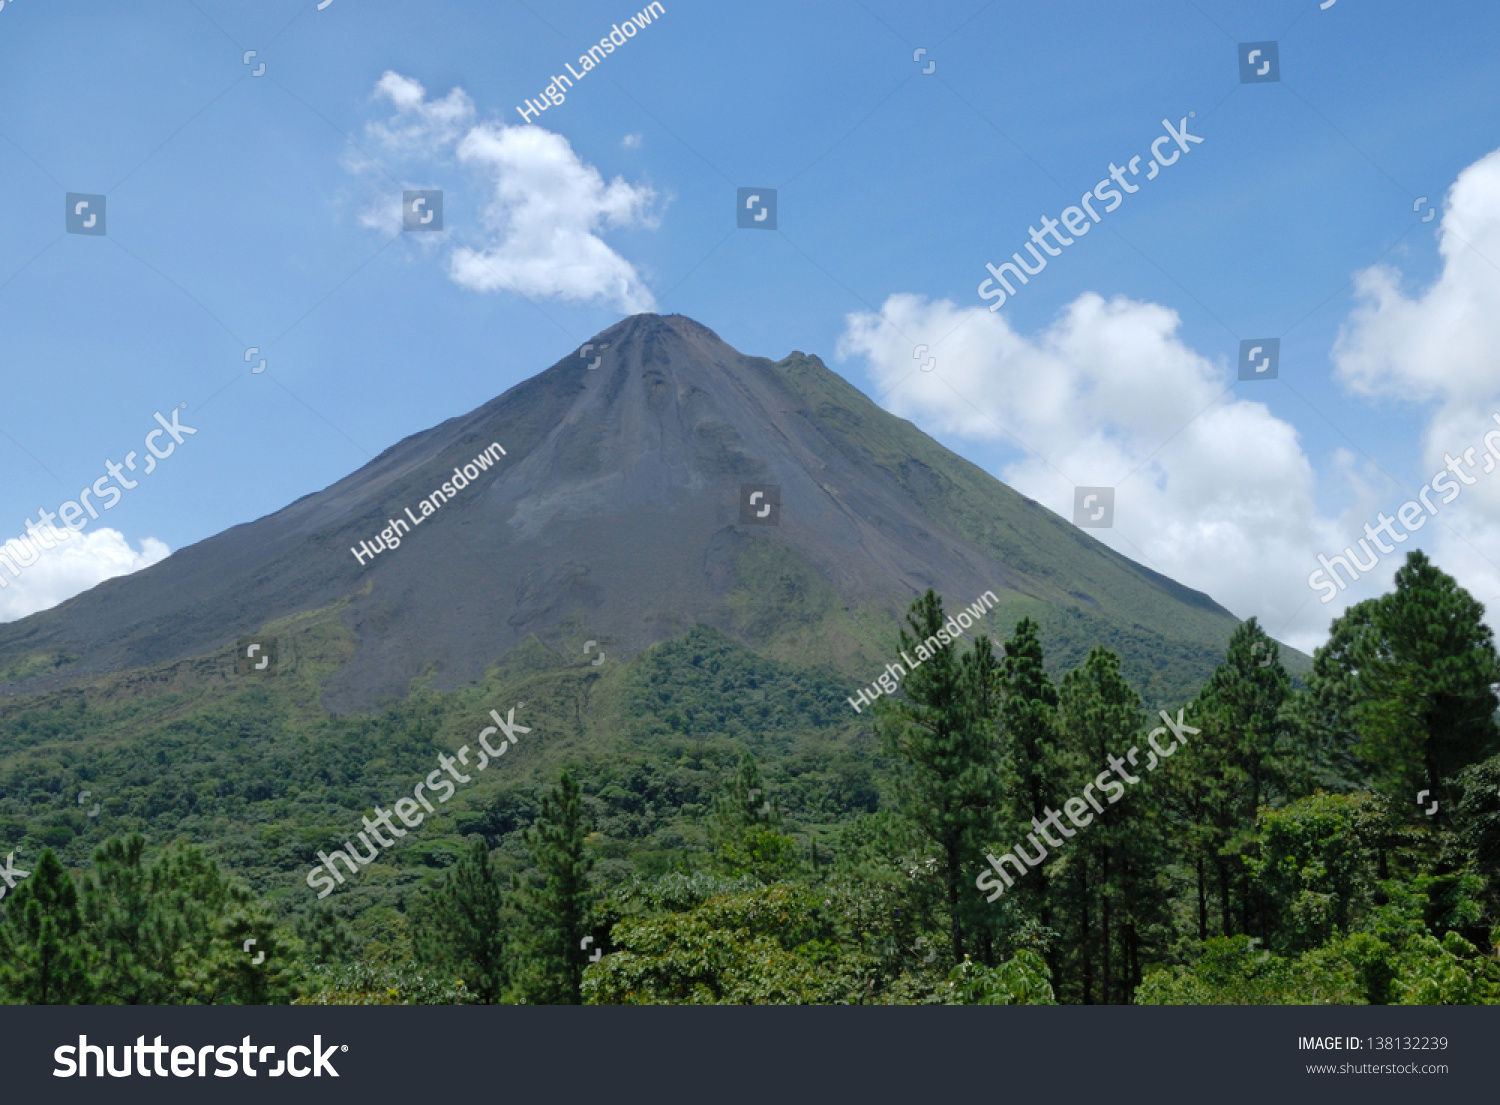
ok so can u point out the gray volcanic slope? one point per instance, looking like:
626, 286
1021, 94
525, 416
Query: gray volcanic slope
617, 506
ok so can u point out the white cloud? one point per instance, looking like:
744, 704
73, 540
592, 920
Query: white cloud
1438, 347
1440, 344
632, 141
546, 208
1211, 489
72, 567
544, 213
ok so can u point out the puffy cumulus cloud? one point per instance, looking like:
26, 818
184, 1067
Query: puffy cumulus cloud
1211, 490
544, 213
1440, 343
546, 208
1438, 346
72, 567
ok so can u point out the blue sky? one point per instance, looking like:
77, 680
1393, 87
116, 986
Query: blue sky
258, 211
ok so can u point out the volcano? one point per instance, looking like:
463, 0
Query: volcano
621, 511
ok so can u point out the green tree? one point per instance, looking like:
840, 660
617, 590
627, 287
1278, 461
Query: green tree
461, 927
1409, 676
744, 827
941, 732
1237, 970
1236, 769
1020, 980
42, 955
134, 953
325, 937
759, 947
177, 930
1450, 971
1318, 866
249, 962
1035, 764
556, 903
887, 901
365, 983
1111, 876
1477, 825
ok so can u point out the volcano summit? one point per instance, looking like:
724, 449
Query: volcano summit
615, 515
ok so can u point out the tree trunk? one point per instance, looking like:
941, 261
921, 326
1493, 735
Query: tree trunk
1225, 912
1054, 956
1244, 881
1087, 936
954, 878
1104, 919
1202, 903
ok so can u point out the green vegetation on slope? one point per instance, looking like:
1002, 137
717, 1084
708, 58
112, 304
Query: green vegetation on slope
710, 824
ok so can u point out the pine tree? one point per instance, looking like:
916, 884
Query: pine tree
325, 937
179, 930
129, 965
249, 963
462, 928
942, 731
743, 805
43, 959
557, 903
153, 929
1237, 767
1035, 766
1409, 675
1110, 873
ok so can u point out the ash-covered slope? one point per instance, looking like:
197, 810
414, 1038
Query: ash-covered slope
616, 512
